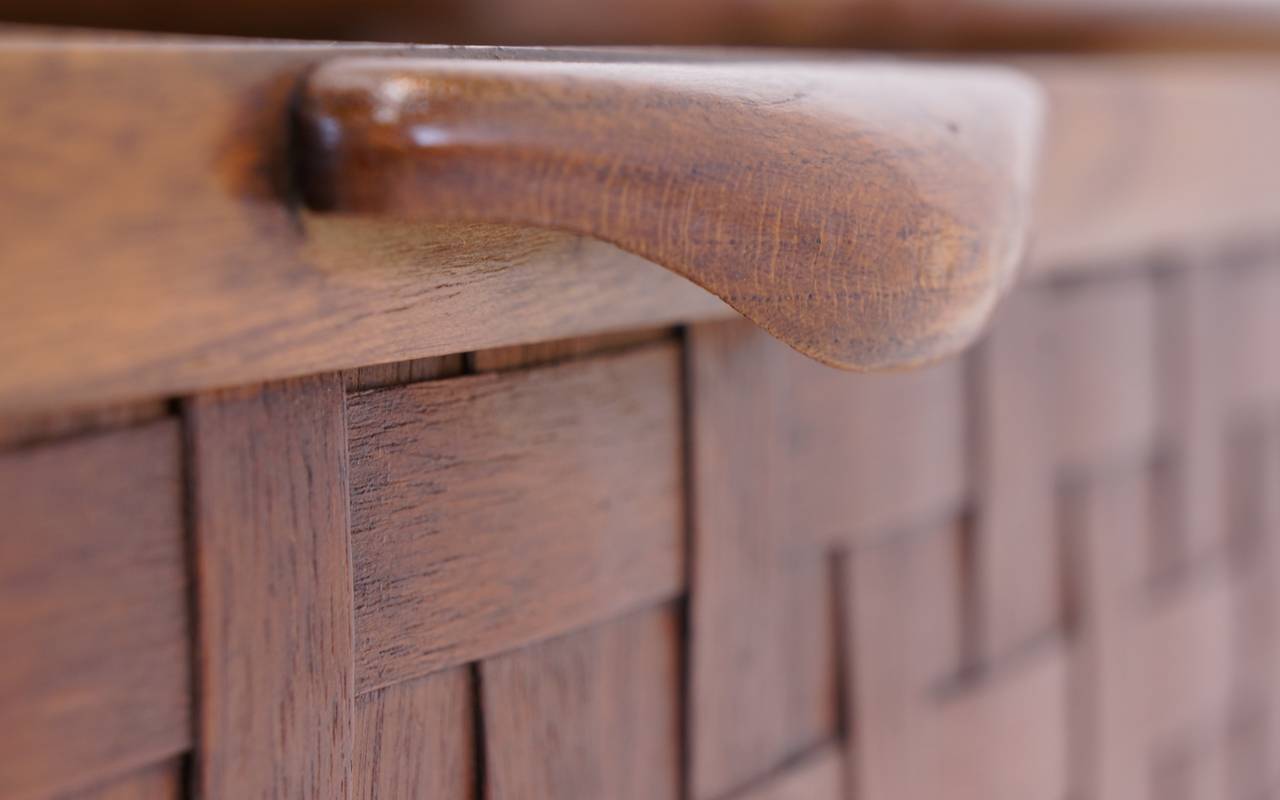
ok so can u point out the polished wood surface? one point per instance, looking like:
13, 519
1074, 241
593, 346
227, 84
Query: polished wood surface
151, 247
869, 215
466, 558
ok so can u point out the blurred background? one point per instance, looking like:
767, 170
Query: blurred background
898, 24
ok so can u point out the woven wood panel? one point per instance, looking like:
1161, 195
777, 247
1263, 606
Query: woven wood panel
677, 565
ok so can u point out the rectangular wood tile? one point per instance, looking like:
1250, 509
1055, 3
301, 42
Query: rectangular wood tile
32, 428
593, 714
1192, 503
902, 629
1106, 523
492, 511
1004, 737
762, 614
1017, 557
165, 781
95, 661
417, 739
1250, 328
1103, 354
920, 728
273, 580
867, 454
1189, 634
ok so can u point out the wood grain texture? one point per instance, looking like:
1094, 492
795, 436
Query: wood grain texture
164, 781
918, 729
868, 455
416, 739
126, 277
590, 715
1150, 154
397, 373
151, 246
94, 632
868, 215
22, 430
273, 581
495, 510
892, 635
762, 680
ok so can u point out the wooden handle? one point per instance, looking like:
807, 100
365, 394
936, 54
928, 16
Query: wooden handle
869, 214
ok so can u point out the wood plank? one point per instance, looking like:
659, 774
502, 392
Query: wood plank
762, 615
1254, 520
1017, 557
127, 277
903, 630
1103, 354
95, 675
496, 510
417, 739
22, 430
1192, 377
1005, 738
593, 714
1189, 633
1250, 328
819, 776
1106, 533
158, 782
869, 454
1150, 154
273, 582
188, 270
921, 724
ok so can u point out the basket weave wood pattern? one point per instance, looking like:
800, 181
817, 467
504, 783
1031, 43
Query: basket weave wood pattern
685, 564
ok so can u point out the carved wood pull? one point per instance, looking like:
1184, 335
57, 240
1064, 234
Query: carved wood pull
867, 213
